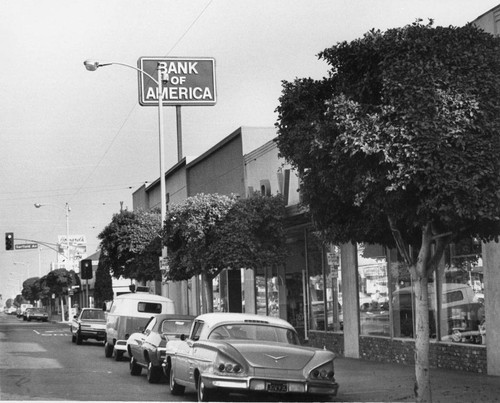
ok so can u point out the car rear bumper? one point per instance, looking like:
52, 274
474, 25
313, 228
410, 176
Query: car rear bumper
93, 334
288, 386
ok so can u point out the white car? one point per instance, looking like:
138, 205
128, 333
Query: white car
249, 354
90, 324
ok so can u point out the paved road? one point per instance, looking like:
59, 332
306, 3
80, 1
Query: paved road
38, 361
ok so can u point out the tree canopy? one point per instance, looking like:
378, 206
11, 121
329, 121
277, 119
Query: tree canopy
400, 145
131, 245
188, 233
405, 129
209, 233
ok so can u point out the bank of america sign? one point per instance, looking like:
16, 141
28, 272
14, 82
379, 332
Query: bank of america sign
186, 81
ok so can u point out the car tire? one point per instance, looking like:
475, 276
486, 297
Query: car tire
108, 350
79, 338
135, 369
204, 394
166, 369
154, 373
117, 354
28, 319
175, 388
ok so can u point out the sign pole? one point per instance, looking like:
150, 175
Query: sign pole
179, 132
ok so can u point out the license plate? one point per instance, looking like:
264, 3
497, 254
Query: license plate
277, 387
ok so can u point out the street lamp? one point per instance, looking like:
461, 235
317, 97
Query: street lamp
67, 210
92, 65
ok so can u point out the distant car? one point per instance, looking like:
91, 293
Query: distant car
22, 309
245, 353
89, 324
146, 349
39, 314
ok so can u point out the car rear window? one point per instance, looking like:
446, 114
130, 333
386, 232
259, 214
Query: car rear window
149, 307
176, 326
97, 314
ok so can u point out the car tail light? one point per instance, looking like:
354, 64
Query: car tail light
227, 366
324, 372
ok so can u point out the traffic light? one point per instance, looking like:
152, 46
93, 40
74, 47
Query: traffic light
9, 241
86, 269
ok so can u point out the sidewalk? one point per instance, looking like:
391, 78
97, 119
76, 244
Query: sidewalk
371, 381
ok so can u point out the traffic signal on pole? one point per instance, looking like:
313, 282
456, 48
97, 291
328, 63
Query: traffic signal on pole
86, 269
9, 241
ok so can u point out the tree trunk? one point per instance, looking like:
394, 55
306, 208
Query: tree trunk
422, 375
207, 293
420, 274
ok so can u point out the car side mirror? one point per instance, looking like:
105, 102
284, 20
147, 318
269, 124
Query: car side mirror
183, 337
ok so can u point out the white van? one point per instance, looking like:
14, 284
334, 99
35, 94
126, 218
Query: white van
128, 314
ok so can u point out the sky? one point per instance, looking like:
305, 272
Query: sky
72, 136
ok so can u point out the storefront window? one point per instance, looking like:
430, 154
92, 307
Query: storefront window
323, 276
403, 301
456, 296
462, 294
373, 290
267, 292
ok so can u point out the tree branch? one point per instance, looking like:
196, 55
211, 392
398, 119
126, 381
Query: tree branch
400, 242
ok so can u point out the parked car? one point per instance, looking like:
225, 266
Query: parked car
89, 324
22, 309
146, 349
245, 353
39, 314
128, 313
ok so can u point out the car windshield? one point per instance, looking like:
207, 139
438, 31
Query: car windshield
176, 326
41, 310
96, 314
255, 331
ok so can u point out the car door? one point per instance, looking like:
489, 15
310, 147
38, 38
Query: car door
184, 356
152, 340
137, 346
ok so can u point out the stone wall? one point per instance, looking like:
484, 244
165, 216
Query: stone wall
463, 357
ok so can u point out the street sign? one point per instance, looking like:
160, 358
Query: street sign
190, 81
26, 246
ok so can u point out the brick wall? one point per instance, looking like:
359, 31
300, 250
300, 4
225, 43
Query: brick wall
463, 357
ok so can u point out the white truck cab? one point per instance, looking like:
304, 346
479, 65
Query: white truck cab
128, 314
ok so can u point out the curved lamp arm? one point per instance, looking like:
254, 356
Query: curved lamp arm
92, 65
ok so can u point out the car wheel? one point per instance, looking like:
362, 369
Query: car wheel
117, 354
204, 394
154, 373
166, 369
108, 350
79, 338
135, 369
175, 388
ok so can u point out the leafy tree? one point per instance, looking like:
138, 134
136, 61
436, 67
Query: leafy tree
131, 245
18, 300
103, 290
187, 235
31, 289
58, 281
209, 233
251, 235
400, 145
